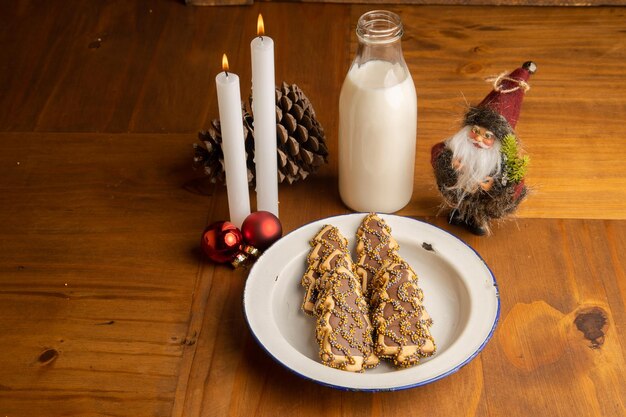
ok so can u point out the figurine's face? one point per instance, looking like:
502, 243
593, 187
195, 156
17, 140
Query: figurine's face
481, 137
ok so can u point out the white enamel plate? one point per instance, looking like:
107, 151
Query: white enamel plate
460, 294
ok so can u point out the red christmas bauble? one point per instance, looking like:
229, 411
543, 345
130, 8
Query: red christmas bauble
260, 229
222, 242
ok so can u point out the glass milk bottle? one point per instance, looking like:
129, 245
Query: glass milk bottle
377, 120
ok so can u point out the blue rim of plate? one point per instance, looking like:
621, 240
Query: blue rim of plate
398, 388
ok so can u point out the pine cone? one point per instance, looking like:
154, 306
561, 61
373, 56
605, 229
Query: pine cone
301, 147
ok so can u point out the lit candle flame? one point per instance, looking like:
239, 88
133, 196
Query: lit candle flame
225, 63
260, 27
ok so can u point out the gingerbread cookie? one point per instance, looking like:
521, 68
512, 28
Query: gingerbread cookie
343, 329
334, 296
401, 322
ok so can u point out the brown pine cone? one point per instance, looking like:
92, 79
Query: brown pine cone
300, 139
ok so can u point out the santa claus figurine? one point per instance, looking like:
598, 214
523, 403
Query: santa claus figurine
480, 169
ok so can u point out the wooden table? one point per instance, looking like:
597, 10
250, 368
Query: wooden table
107, 306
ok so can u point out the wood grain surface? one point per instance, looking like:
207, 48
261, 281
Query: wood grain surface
385, 3
107, 307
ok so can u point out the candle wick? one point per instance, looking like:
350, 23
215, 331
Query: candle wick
261, 36
226, 72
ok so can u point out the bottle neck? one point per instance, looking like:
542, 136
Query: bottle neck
379, 33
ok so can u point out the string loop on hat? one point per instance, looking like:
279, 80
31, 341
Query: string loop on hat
497, 84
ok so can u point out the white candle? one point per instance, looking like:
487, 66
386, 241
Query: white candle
231, 126
264, 112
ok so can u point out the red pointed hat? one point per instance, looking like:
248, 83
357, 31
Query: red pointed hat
508, 92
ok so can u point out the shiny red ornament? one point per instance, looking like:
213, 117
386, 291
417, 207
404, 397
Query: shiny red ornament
261, 229
222, 242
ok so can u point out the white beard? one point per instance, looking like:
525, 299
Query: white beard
478, 163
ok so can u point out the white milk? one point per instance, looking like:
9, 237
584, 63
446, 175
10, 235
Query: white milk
377, 129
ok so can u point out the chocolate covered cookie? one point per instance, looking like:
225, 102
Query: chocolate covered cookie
334, 296
401, 323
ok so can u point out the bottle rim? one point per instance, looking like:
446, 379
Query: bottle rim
379, 27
